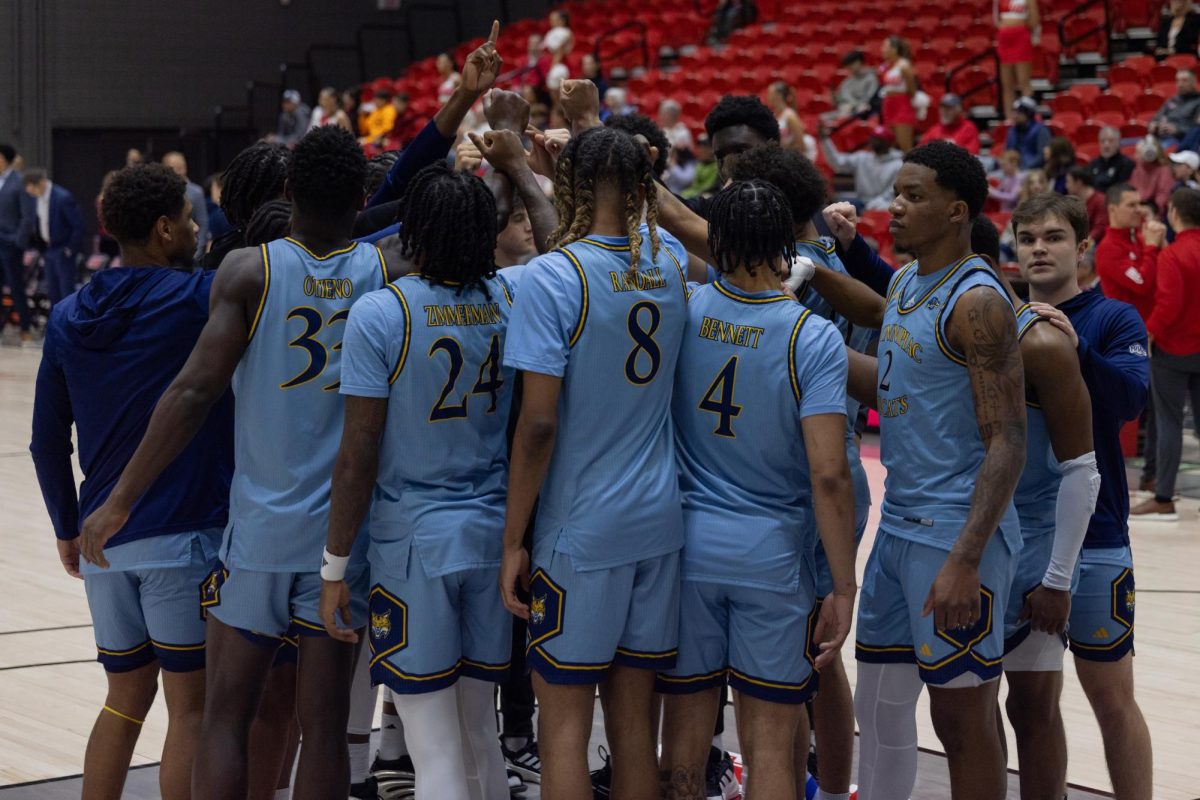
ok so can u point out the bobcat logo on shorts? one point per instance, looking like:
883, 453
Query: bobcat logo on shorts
381, 624
933, 304
1129, 598
537, 610
208, 589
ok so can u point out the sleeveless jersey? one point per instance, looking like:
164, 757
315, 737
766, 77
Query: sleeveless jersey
288, 414
611, 494
435, 354
1036, 497
751, 367
929, 440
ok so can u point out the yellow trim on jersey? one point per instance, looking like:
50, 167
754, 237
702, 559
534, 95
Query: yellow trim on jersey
382, 263
128, 652
407, 333
178, 647
895, 285
405, 676
921, 301
682, 275
305, 624
504, 288
897, 648
640, 654
125, 717
480, 665
692, 678
581, 667
1101, 647
792, 354
262, 302
613, 247
751, 300
825, 248
583, 310
792, 687
328, 255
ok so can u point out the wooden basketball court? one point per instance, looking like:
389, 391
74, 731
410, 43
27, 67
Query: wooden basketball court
51, 687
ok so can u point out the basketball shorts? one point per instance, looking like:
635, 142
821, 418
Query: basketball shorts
1045, 652
761, 639
583, 621
1101, 625
892, 628
1014, 45
424, 632
824, 576
267, 607
139, 615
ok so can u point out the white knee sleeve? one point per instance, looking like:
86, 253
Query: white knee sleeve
1040, 652
885, 705
362, 697
487, 778
435, 744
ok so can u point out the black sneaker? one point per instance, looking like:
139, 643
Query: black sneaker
525, 761
720, 782
516, 785
403, 764
602, 778
367, 790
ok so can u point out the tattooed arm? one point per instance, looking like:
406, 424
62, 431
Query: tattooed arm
983, 328
682, 783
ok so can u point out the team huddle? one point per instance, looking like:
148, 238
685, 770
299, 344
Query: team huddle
647, 436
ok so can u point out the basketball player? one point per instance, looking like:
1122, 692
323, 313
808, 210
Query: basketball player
1110, 341
596, 328
110, 350
950, 392
275, 329
748, 572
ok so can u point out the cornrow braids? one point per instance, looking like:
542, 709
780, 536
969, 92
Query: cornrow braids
604, 157
448, 227
750, 225
255, 175
272, 221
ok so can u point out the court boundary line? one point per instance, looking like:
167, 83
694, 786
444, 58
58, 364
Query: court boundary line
50, 664
47, 630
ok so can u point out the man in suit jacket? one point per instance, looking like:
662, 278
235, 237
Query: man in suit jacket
174, 160
14, 224
57, 229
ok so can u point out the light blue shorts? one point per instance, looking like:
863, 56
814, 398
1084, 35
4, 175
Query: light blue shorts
1101, 625
143, 614
1031, 568
824, 576
267, 607
582, 622
761, 639
425, 631
892, 629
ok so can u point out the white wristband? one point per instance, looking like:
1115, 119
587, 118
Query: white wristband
801, 271
333, 568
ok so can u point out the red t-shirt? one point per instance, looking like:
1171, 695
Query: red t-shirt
1126, 266
962, 133
1097, 211
1175, 321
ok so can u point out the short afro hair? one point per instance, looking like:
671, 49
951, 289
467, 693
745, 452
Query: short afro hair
635, 124
985, 239
954, 169
745, 110
790, 171
327, 173
137, 197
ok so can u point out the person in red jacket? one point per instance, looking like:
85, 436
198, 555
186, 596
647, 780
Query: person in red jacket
1174, 325
1126, 257
954, 126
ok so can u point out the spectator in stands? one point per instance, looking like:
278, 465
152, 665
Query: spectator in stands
57, 232
380, 120
349, 104
1177, 117
133, 157
1080, 183
1019, 31
1033, 183
1184, 165
293, 119
327, 111
953, 126
175, 162
899, 84
406, 124
1152, 176
1178, 32
1127, 256
592, 71
1027, 135
707, 176
448, 71
782, 101
1174, 327
874, 169
615, 104
669, 119
218, 225
1060, 157
1008, 190
559, 40
1111, 166
855, 95
729, 16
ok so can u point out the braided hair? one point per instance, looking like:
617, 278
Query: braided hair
272, 221
448, 227
604, 156
750, 225
255, 175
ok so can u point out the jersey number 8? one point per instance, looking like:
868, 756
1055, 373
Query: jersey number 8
643, 340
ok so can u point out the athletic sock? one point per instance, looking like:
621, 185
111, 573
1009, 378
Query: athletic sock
824, 795
360, 761
283, 794
515, 743
391, 738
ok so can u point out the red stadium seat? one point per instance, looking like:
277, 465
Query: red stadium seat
1088, 131
1114, 118
1182, 61
1140, 64
1134, 130
1087, 92
1109, 102
1066, 103
1163, 73
1121, 73
1067, 121
1149, 103
1128, 93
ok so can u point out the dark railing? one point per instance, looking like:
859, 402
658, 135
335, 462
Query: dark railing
1105, 27
992, 83
641, 44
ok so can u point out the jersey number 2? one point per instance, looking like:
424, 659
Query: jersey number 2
490, 386
885, 384
318, 355
723, 407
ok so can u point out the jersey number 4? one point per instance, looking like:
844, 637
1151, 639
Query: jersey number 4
490, 386
318, 354
719, 399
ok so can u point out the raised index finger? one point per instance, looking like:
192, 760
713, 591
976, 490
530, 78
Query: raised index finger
495, 36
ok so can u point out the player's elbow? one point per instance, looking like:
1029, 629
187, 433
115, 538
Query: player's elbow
832, 483
538, 430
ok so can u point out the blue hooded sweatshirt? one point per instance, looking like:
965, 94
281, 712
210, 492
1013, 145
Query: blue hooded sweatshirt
111, 350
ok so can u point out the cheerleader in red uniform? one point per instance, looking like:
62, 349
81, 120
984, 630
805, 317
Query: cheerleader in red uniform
897, 85
1019, 30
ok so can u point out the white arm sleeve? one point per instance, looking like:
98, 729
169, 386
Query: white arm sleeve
1076, 503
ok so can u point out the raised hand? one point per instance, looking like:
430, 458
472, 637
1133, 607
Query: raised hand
503, 150
506, 111
579, 100
483, 65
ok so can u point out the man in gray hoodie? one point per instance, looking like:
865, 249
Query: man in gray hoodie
874, 169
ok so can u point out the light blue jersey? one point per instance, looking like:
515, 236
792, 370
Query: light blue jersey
823, 252
1036, 497
930, 442
751, 368
611, 494
435, 353
288, 418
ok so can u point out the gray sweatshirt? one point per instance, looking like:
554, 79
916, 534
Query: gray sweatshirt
873, 175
